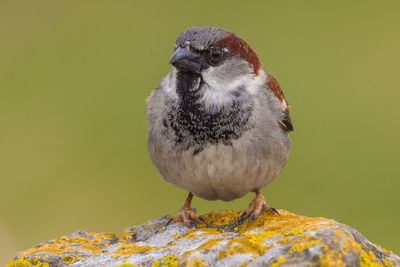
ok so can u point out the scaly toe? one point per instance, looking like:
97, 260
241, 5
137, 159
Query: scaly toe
256, 207
188, 217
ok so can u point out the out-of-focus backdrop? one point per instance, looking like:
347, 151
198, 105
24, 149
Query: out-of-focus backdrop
74, 77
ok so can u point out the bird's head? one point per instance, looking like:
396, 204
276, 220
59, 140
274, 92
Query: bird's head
217, 55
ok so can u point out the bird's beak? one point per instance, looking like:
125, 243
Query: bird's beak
186, 60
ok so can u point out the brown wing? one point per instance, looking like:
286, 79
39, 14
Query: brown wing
273, 85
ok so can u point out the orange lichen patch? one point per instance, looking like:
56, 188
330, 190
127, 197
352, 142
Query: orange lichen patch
169, 261
193, 262
277, 262
23, 262
204, 247
244, 264
331, 258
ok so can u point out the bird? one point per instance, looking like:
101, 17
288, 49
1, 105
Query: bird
218, 124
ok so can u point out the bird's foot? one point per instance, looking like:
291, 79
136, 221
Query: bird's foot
257, 207
187, 216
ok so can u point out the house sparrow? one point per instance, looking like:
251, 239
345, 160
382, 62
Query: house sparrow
218, 123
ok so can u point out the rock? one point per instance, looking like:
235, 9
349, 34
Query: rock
271, 240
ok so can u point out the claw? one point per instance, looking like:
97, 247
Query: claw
275, 210
248, 221
169, 221
192, 223
243, 216
198, 219
256, 207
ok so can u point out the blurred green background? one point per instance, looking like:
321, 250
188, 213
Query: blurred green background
74, 77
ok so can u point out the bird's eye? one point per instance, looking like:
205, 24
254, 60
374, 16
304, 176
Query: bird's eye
215, 53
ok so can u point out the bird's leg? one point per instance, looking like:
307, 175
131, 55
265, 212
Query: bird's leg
257, 207
187, 214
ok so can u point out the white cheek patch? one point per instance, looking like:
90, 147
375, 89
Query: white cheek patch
219, 88
257, 82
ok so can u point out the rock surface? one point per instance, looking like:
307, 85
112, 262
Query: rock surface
271, 240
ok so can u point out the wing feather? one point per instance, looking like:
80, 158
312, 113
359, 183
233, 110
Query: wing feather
273, 85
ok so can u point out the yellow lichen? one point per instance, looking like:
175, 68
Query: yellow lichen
167, 261
126, 236
68, 259
200, 232
371, 255
35, 260
331, 258
78, 239
193, 262
93, 248
296, 232
247, 243
23, 262
287, 229
348, 244
277, 262
217, 218
387, 262
128, 265
366, 261
300, 247
132, 249
204, 247
61, 245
